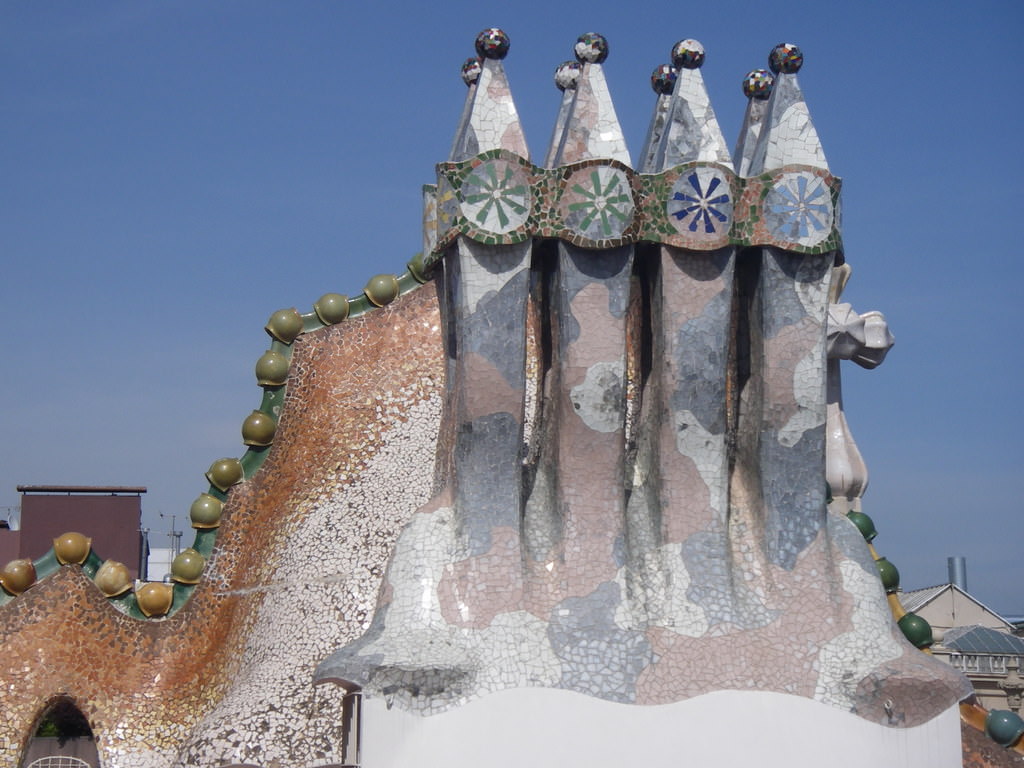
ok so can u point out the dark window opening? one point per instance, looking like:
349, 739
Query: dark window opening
63, 737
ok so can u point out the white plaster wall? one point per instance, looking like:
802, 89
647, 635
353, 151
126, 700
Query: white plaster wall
547, 728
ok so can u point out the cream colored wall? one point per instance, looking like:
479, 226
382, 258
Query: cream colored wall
954, 609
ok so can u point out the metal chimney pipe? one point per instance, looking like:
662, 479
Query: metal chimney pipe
958, 571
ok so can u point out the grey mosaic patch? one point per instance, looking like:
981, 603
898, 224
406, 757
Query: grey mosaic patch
597, 657
794, 494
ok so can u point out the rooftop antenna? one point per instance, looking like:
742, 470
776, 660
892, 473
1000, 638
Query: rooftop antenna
174, 535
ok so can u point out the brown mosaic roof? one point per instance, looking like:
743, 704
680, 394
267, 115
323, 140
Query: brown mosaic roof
981, 752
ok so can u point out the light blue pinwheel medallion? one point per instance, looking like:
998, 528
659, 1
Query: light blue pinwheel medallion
597, 202
495, 196
700, 202
798, 208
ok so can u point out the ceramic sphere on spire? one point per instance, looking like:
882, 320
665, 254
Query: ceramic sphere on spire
663, 79
471, 68
758, 84
567, 75
688, 54
591, 47
492, 43
785, 58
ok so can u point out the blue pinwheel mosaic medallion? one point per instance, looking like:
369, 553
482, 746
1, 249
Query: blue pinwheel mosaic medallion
798, 208
597, 202
496, 196
700, 203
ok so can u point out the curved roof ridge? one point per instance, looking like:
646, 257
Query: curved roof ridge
157, 600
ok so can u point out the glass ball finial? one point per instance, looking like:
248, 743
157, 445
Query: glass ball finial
785, 58
591, 47
567, 75
471, 69
492, 43
688, 54
758, 84
663, 79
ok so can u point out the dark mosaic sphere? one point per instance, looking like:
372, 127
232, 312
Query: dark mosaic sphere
471, 69
785, 58
567, 75
492, 43
663, 79
758, 84
688, 54
591, 47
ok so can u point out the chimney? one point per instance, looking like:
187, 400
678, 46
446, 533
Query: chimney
958, 571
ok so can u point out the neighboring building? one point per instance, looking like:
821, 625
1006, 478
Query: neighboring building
10, 537
158, 563
109, 515
973, 638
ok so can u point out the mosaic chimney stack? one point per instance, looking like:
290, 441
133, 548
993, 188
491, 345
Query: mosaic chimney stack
633, 450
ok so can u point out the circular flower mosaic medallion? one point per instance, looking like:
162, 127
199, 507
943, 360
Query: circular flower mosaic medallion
597, 202
496, 196
798, 208
701, 202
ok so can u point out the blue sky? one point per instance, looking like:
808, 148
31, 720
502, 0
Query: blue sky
172, 173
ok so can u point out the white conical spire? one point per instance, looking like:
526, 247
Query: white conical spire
663, 80
592, 128
757, 87
567, 77
471, 69
692, 133
787, 134
492, 121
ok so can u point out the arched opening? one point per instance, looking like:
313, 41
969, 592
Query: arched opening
63, 739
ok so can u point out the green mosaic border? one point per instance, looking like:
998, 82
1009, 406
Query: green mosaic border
651, 221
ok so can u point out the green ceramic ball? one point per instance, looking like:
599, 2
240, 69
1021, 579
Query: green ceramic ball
382, 289
284, 325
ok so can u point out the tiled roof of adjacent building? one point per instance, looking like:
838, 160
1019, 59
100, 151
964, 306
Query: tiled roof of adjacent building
978, 639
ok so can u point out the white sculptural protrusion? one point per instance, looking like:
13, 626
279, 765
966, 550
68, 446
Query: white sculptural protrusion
865, 339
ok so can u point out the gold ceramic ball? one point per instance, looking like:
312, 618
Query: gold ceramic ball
205, 511
258, 429
17, 576
113, 578
72, 548
155, 598
224, 473
188, 567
